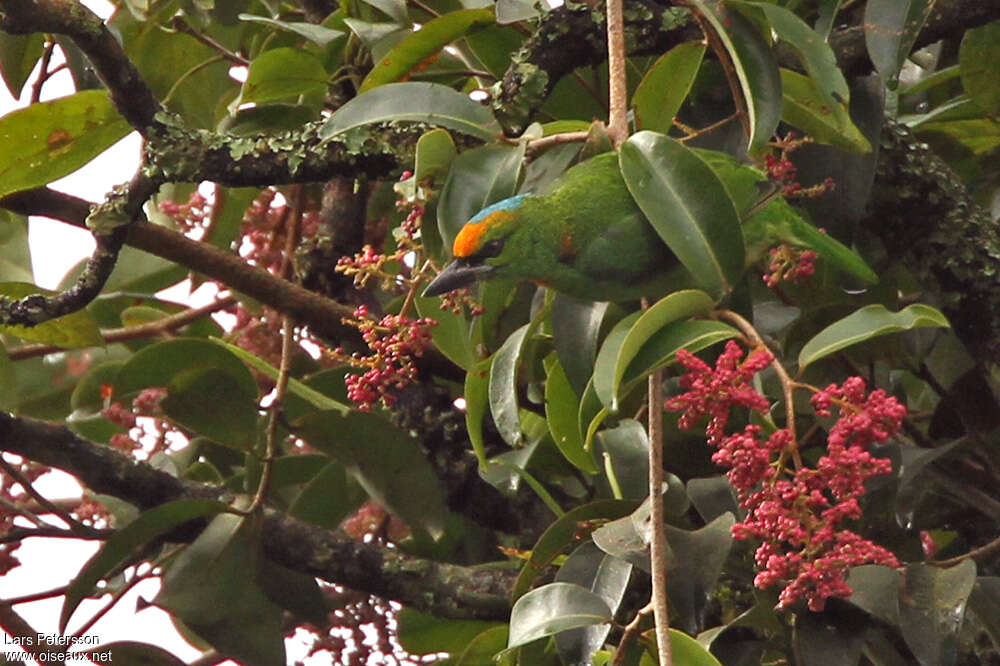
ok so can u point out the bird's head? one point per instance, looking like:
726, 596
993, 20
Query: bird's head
479, 248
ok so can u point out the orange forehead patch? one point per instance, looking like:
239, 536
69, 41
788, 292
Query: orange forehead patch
470, 237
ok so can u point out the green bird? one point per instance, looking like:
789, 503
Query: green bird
586, 237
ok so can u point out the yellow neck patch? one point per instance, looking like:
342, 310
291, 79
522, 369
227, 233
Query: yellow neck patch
470, 237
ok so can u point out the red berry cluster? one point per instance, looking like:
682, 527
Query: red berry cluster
712, 392
264, 228
144, 436
790, 264
394, 342
190, 215
783, 170
459, 300
796, 515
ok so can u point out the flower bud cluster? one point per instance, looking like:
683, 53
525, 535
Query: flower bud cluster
790, 264
394, 341
13, 496
796, 515
148, 434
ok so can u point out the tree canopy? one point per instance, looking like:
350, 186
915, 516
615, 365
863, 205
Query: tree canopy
323, 451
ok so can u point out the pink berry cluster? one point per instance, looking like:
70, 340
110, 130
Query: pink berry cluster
796, 514
265, 224
459, 300
784, 171
190, 215
394, 342
142, 435
790, 264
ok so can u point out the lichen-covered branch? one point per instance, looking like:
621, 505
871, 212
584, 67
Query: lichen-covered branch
575, 35
921, 208
129, 92
441, 589
108, 221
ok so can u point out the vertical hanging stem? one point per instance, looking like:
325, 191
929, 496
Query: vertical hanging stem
658, 542
617, 90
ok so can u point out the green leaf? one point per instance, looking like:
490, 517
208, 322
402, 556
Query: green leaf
553, 608
420, 633
688, 206
807, 109
49, 140
422, 44
158, 364
132, 653
385, 461
812, 49
210, 402
626, 451
754, 65
317, 34
18, 55
977, 59
435, 153
295, 387
328, 498
876, 591
483, 648
120, 546
661, 349
15, 254
431, 103
477, 402
478, 177
867, 323
891, 28
561, 407
676, 306
694, 567
576, 326
688, 651
451, 335
282, 73
73, 331
212, 588
932, 607
563, 532
503, 386
665, 86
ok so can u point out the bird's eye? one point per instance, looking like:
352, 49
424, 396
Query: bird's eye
492, 248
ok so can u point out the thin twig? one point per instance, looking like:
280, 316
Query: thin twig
15, 625
157, 327
617, 86
75, 526
35, 596
292, 223
974, 554
631, 629
538, 145
180, 25
21, 511
43, 72
53, 532
658, 541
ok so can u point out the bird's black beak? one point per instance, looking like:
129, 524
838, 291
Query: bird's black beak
456, 275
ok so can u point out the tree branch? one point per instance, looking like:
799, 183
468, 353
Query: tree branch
441, 589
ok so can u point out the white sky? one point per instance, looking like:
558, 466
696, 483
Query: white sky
55, 248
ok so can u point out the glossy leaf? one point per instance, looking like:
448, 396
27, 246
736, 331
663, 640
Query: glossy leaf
669, 309
891, 28
483, 648
661, 348
73, 331
688, 651
562, 533
283, 73
435, 153
977, 58
328, 498
394, 9
688, 206
932, 606
46, 141
665, 86
503, 386
451, 335
210, 402
18, 55
15, 254
431, 103
420, 46
317, 34
606, 576
876, 591
478, 178
576, 326
812, 49
121, 545
867, 323
385, 461
553, 608
561, 408
420, 633
754, 65
626, 451
807, 109
694, 567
